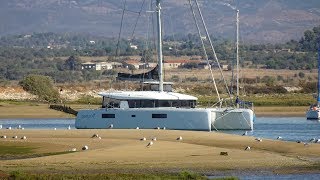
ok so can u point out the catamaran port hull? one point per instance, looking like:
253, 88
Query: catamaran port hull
145, 118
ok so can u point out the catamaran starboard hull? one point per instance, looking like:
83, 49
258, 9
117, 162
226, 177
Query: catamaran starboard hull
313, 115
232, 119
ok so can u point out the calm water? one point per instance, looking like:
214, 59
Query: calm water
289, 128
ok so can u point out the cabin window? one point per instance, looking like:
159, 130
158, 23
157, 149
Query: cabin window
133, 115
108, 116
110, 103
159, 115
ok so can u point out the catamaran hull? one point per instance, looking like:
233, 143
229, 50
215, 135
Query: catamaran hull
313, 114
171, 118
232, 119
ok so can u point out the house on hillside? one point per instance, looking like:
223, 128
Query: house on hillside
98, 66
178, 63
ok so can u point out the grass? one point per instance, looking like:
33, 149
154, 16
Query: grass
185, 175
15, 150
23, 152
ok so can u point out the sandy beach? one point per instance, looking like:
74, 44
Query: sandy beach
122, 151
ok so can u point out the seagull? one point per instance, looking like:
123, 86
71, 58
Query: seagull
4, 137
317, 141
15, 137
245, 133
157, 127
0, 126
154, 139
143, 139
179, 138
69, 127
111, 126
279, 137
24, 137
95, 136
19, 127
258, 139
73, 149
9, 127
248, 148
164, 128
150, 144
306, 144
85, 147
55, 128
313, 140
137, 128
299, 141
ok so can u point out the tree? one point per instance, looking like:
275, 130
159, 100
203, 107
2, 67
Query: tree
73, 63
41, 86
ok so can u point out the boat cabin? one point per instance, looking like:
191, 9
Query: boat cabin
147, 99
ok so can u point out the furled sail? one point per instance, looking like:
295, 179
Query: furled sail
152, 75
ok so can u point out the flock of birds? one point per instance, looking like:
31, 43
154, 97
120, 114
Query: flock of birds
153, 140
313, 140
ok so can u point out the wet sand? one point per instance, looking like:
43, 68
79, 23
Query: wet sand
122, 151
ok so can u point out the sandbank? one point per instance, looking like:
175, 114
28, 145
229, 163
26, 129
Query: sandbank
122, 151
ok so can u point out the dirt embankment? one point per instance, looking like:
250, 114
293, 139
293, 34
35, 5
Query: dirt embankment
69, 94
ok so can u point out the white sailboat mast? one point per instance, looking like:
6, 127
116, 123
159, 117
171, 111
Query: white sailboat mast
160, 58
237, 52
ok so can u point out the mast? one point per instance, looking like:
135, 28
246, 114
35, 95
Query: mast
237, 52
160, 65
318, 98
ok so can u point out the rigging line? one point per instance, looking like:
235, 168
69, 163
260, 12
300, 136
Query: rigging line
139, 15
204, 50
121, 24
213, 50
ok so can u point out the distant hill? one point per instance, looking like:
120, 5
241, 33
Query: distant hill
266, 21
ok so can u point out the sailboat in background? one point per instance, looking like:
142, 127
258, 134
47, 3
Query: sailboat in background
314, 110
160, 109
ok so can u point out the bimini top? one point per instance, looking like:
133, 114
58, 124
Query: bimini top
151, 95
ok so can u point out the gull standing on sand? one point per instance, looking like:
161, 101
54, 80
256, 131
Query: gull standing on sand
179, 138
143, 139
279, 137
69, 127
258, 139
248, 148
24, 137
154, 139
245, 133
111, 126
0, 126
150, 144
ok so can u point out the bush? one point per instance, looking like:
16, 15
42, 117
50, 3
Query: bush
41, 86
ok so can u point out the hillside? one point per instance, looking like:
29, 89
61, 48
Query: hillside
261, 20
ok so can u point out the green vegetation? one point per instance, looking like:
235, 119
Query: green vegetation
15, 150
41, 86
12, 151
181, 176
21, 56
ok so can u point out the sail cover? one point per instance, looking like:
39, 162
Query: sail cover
152, 75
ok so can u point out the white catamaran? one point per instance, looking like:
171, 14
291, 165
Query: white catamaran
160, 109
314, 111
